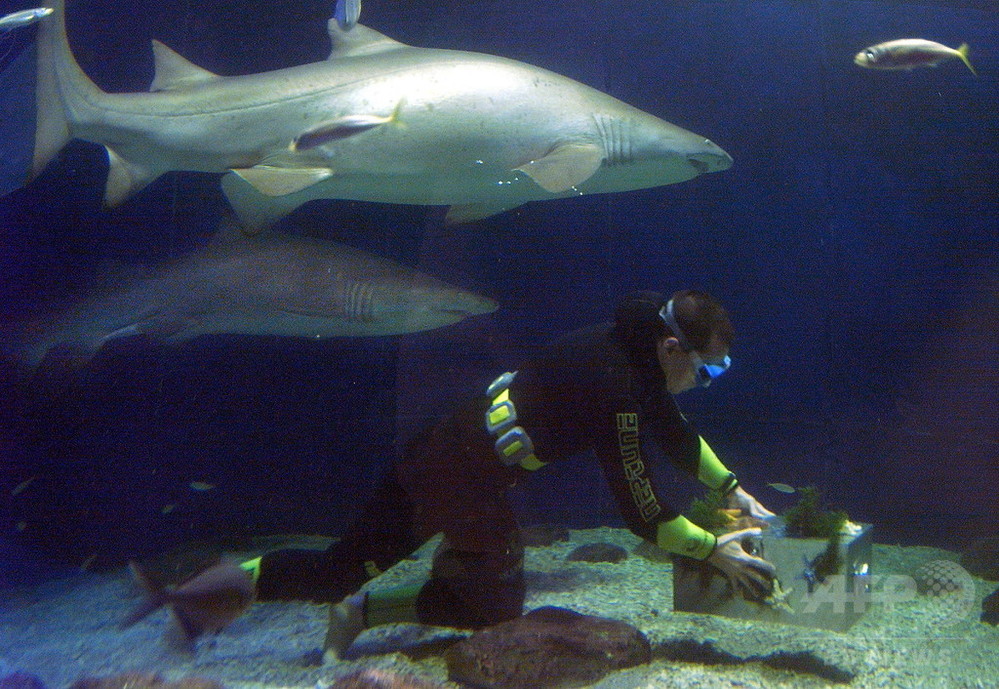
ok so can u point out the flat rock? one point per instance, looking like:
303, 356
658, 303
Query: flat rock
548, 648
373, 678
598, 552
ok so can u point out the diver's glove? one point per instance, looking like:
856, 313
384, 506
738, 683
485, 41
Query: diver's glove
749, 576
739, 499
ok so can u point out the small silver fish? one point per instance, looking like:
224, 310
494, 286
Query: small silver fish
201, 486
16, 20
21, 487
347, 12
783, 487
909, 53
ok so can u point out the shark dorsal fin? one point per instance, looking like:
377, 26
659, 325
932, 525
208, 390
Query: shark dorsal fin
359, 40
174, 72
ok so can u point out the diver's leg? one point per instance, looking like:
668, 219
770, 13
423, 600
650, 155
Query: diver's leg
380, 537
466, 589
474, 589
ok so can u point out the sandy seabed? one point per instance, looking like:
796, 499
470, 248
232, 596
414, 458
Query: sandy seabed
68, 629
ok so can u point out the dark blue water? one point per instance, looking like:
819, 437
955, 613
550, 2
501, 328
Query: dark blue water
854, 241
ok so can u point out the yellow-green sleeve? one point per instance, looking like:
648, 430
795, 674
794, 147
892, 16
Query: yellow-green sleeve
711, 472
681, 536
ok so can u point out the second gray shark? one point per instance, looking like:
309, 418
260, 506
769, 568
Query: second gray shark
377, 121
271, 284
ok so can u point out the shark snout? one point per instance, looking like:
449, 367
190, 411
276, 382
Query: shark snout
711, 158
468, 304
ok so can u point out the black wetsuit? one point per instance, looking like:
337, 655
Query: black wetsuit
584, 391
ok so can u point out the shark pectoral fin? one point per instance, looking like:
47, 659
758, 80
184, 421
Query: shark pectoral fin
124, 179
168, 326
564, 167
469, 212
256, 211
127, 331
174, 72
280, 181
358, 40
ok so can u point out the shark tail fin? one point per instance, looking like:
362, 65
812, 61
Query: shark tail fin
962, 53
60, 88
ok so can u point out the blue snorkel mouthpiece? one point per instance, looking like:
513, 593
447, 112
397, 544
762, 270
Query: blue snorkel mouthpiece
705, 372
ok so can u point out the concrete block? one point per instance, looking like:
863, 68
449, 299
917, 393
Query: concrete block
834, 603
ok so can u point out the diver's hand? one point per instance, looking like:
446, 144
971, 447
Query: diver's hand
748, 575
741, 500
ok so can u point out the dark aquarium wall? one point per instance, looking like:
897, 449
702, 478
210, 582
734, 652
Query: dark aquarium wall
854, 241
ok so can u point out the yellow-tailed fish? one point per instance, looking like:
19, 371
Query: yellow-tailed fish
15, 20
909, 53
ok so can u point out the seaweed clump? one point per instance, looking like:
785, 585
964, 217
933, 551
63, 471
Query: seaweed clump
709, 512
809, 519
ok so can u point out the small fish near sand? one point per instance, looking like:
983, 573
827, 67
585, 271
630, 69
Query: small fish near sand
207, 602
16, 20
909, 53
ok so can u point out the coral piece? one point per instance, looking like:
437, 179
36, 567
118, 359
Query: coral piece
747, 522
779, 597
711, 512
549, 648
598, 552
809, 519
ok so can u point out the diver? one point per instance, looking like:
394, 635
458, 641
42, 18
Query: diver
600, 388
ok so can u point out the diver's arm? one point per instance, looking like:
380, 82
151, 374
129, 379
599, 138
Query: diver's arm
687, 450
713, 474
691, 453
617, 446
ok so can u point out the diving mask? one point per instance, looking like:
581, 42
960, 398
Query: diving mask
704, 371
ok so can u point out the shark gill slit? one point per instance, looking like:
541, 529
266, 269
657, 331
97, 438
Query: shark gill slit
613, 135
360, 301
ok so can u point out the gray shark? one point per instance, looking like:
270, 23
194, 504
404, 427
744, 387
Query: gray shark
269, 284
377, 121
